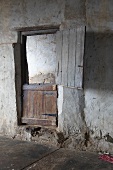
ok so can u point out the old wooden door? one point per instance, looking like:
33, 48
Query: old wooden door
40, 101
40, 104
70, 52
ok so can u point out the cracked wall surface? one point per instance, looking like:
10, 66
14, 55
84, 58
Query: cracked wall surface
85, 117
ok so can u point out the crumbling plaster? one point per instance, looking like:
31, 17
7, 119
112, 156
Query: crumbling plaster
85, 126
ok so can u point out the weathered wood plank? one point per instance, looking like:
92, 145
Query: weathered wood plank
65, 55
39, 32
59, 38
35, 121
40, 87
38, 109
18, 82
25, 103
40, 105
79, 57
31, 103
72, 55
50, 102
82, 54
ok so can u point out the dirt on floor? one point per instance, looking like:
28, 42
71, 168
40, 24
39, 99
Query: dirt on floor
20, 155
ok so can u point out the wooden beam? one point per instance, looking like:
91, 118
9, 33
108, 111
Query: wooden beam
35, 121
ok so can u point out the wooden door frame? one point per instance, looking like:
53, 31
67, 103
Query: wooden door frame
21, 67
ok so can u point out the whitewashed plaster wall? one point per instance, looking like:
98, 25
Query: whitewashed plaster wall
98, 72
41, 58
19, 14
8, 114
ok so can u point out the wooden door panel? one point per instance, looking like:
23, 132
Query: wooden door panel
69, 55
40, 105
50, 104
50, 101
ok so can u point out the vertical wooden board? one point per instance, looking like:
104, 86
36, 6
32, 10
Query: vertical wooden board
38, 108
41, 105
50, 100
18, 83
82, 43
25, 104
36, 100
72, 55
65, 51
35, 103
59, 37
79, 57
30, 103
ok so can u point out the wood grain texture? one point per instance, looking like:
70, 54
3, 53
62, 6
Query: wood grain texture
79, 57
70, 52
59, 38
39, 105
50, 103
41, 87
72, 57
41, 122
18, 82
65, 55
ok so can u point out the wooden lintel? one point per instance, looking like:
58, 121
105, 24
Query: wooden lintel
39, 32
35, 28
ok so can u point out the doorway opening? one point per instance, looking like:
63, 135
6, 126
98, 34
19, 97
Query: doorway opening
41, 58
38, 84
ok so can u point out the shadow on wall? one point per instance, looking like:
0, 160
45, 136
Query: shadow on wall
98, 64
98, 83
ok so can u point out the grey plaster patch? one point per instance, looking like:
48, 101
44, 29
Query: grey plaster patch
99, 14
75, 10
31, 13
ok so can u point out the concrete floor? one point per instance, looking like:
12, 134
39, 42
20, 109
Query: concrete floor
19, 155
